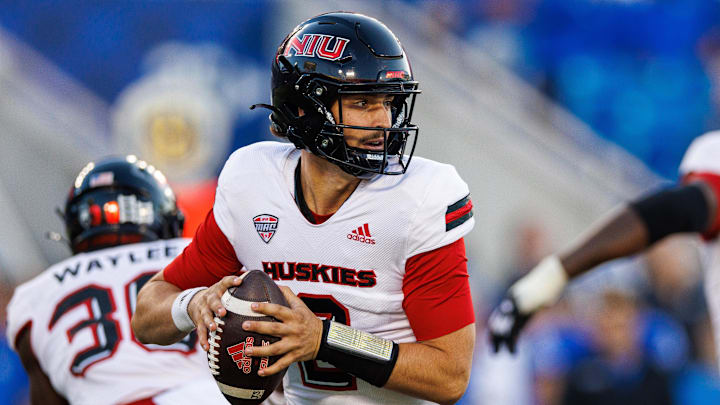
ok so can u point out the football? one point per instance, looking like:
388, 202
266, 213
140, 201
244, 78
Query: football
235, 373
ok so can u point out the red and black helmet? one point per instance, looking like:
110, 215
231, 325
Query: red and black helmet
332, 55
120, 200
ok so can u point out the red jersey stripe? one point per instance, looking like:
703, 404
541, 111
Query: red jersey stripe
207, 259
437, 293
459, 212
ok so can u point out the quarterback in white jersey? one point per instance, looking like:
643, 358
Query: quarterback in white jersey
692, 206
71, 323
354, 234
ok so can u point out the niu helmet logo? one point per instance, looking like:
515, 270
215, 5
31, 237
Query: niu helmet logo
361, 234
266, 225
317, 45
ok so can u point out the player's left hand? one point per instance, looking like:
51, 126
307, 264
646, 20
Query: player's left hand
299, 331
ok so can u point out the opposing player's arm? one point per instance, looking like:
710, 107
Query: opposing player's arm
176, 300
631, 229
41, 391
688, 208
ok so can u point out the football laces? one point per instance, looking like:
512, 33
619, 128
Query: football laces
213, 341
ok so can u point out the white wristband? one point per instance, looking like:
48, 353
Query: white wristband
179, 311
542, 286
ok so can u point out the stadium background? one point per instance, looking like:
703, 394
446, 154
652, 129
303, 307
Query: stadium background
553, 111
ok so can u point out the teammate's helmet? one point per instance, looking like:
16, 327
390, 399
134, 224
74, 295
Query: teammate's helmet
120, 200
335, 54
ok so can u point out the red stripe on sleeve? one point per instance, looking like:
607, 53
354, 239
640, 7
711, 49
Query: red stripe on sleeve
712, 180
207, 259
437, 293
459, 212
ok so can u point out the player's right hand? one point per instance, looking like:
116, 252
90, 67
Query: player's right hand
203, 307
505, 324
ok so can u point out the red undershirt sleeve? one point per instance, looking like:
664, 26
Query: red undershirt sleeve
437, 292
206, 260
712, 180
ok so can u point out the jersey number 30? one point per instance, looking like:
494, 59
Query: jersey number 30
100, 305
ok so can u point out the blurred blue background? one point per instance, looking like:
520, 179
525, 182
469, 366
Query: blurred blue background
642, 73
552, 110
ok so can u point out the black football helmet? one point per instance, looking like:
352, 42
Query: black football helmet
336, 54
120, 200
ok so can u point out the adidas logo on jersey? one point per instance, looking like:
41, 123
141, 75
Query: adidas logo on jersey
361, 234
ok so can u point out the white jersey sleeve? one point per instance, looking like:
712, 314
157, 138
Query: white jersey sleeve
703, 155
445, 213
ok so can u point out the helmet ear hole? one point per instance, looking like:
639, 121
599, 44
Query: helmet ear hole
311, 123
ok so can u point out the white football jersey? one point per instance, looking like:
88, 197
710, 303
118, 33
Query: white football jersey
703, 156
79, 314
349, 267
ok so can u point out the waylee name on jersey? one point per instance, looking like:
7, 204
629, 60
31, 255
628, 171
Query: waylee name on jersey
320, 272
102, 262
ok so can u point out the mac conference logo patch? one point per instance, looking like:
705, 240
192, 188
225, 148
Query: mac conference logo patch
265, 225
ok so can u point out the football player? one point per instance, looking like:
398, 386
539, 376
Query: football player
71, 324
692, 206
365, 245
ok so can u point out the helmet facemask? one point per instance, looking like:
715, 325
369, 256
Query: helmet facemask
329, 141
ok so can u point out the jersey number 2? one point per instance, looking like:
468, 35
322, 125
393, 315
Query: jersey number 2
319, 374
